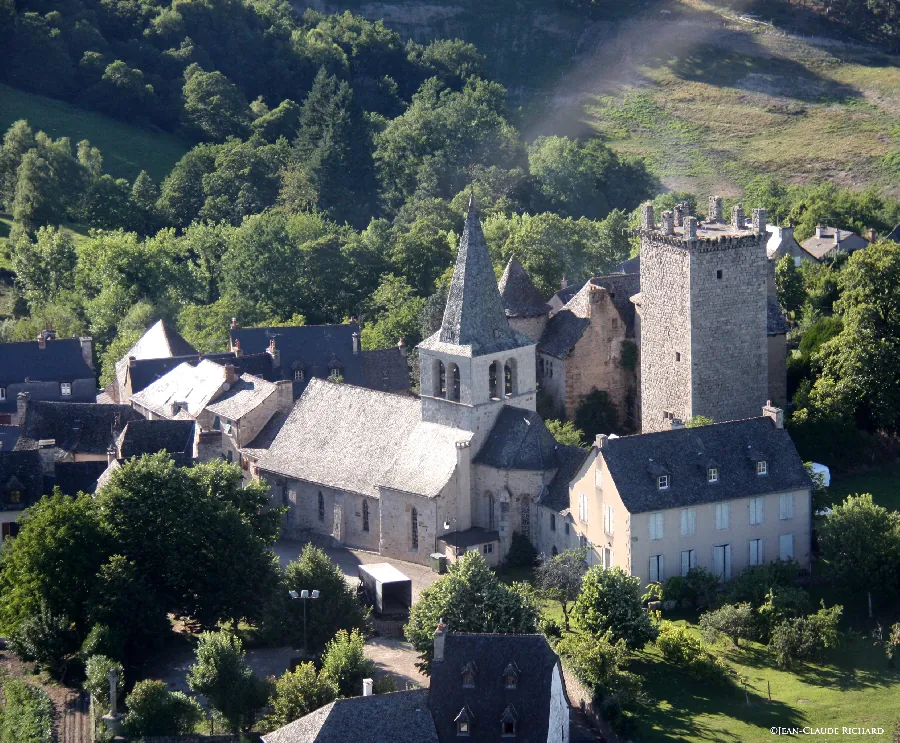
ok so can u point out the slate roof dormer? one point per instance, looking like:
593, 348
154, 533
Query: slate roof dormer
520, 296
474, 315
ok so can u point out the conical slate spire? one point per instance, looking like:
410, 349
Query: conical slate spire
474, 315
520, 296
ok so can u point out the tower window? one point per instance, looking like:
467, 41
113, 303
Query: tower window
414, 526
493, 381
719, 273
365, 515
677, 356
321, 506
454, 382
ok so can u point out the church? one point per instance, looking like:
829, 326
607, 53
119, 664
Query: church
463, 467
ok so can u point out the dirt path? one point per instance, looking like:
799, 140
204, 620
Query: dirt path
73, 717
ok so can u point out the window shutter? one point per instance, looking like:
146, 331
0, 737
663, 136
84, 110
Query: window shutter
685, 562
651, 525
654, 570
684, 522
786, 546
727, 562
662, 569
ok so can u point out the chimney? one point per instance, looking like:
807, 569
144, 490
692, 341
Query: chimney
647, 220
564, 284
22, 407
759, 221
819, 230
355, 339
737, 217
236, 348
715, 209
110, 455
667, 223
776, 414
230, 376
274, 353
367, 687
42, 339
873, 236
234, 323
401, 346
440, 635
682, 210
602, 441
837, 236
690, 228
132, 362
87, 351
676, 423
284, 394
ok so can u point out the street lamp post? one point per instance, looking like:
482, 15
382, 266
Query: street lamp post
303, 596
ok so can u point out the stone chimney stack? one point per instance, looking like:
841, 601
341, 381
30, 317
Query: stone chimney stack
234, 323
110, 455
87, 351
759, 221
676, 423
819, 230
690, 228
837, 236
647, 220
601, 441
776, 414
274, 353
667, 223
42, 339
440, 636
367, 687
284, 394
22, 401
355, 339
873, 236
682, 210
230, 377
401, 346
236, 348
715, 209
564, 284
737, 217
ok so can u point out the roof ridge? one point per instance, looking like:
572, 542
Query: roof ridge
685, 428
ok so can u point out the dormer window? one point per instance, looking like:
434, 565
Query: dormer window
511, 676
712, 474
464, 722
15, 497
662, 482
762, 467
65, 389
508, 722
468, 675
298, 375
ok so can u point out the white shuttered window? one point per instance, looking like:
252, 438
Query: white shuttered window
723, 515
688, 522
657, 574
655, 520
756, 552
756, 510
688, 560
786, 507
786, 546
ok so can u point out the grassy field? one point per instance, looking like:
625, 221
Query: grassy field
126, 149
883, 484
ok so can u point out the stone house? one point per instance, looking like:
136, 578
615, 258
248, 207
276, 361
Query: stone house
526, 311
462, 467
721, 497
21, 486
484, 688
830, 240
50, 369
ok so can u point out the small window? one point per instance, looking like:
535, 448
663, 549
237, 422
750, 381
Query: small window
762, 468
508, 723
719, 274
552, 522
615, 323
321, 506
414, 526
229, 457
688, 522
298, 375
511, 676
462, 727
583, 508
677, 356
488, 549
509, 729
217, 422
15, 497
567, 528
712, 474
365, 515
554, 551
757, 506
662, 482
723, 516
786, 507
65, 389
656, 523
468, 676
2, 393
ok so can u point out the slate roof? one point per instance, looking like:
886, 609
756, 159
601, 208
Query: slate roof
159, 342
355, 439
145, 372
487, 701
469, 537
386, 370
148, 437
520, 296
61, 360
9, 435
519, 440
782, 242
632, 265
570, 459
260, 445
894, 234
776, 324
246, 394
77, 427
77, 477
474, 315
400, 717
195, 386
684, 454
819, 247
20, 470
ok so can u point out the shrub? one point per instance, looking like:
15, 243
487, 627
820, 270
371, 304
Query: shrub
345, 662
101, 640
687, 651
96, 682
892, 646
754, 583
599, 663
27, 716
806, 637
154, 710
734, 621
385, 685
701, 586
610, 599
298, 693
780, 604
550, 628
521, 552
45, 638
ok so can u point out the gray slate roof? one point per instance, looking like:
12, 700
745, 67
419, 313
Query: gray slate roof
148, 437
474, 315
260, 445
246, 394
195, 386
776, 324
9, 435
145, 372
491, 654
80, 427
386, 370
356, 439
520, 296
685, 454
73, 478
401, 717
519, 440
632, 265
819, 247
894, 234
159, 342
60, 361
20, 470
570, 459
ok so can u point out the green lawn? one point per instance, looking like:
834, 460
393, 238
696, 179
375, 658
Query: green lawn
126, 149
882, 483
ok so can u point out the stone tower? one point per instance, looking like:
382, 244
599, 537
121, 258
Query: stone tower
702, 312
526, 310
475, 364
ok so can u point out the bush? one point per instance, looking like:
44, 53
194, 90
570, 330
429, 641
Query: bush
298, 693
101, 640
345, 662
154, 710
780, 604
96, 683
385, 685
550, 628
522, 553
892, 646
683, 649
734, 621
596, 413
702, 585
806, 637
27, 716
45, 638
754, 583
610, 599
599, 663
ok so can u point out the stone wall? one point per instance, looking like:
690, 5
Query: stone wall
530, 326
514, 492
777, 361
553, 381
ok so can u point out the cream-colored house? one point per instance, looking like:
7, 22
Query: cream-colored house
721, 497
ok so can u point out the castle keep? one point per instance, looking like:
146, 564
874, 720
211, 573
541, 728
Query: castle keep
702, 309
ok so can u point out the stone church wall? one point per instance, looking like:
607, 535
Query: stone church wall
530, 326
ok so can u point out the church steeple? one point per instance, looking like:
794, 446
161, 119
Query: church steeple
474, 315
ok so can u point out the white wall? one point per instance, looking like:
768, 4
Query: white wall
558, 727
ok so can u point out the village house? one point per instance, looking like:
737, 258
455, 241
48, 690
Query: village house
179, 439
461, 468
721, 497
484, 688
21, 486
47, 369
829, 240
